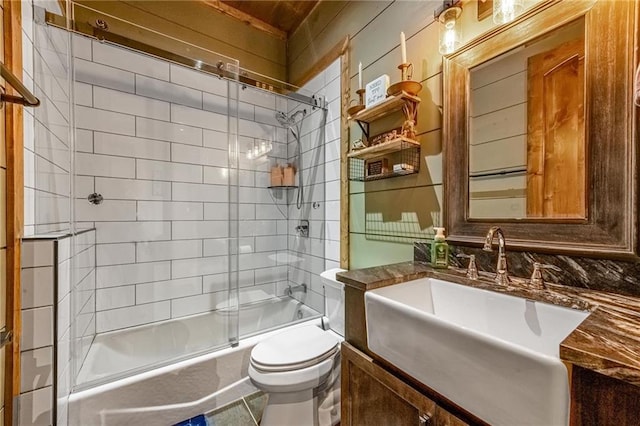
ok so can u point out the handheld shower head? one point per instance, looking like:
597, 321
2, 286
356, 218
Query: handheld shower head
289, 120
283, 118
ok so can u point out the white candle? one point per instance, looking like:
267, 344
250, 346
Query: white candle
360, 76
403, 48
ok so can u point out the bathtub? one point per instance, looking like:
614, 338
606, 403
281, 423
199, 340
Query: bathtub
169, 391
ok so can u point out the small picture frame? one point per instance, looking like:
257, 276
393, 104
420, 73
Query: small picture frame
377, 167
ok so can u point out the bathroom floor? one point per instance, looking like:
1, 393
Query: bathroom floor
246, 411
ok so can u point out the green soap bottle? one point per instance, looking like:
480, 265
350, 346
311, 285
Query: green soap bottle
439, 250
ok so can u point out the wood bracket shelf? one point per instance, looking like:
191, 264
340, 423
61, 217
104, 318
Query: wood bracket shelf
400, 151
386, 107
384, 148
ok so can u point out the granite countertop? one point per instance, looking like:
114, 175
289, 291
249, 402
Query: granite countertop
607, 342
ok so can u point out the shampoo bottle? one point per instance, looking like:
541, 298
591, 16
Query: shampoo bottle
439, 250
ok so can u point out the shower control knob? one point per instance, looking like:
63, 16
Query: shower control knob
95, 198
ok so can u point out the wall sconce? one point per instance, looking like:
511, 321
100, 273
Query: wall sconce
506, 10
450, 34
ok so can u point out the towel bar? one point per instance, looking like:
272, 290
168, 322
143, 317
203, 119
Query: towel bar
27, 99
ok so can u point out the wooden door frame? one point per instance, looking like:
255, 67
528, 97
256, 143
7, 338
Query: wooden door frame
15, 204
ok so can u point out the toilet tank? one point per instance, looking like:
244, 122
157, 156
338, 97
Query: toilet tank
334, 300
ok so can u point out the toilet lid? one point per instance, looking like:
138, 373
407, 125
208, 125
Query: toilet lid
296, 348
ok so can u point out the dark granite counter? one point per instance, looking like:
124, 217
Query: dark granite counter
607, 342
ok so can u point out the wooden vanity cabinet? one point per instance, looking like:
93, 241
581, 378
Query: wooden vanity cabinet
373, 396
598, 400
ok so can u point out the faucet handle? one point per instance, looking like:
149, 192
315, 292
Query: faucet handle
536, 277
472, 270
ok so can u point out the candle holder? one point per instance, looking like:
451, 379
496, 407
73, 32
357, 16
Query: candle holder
357, 108
406, 71
405, 84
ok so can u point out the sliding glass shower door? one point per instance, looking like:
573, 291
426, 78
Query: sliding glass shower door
156, 174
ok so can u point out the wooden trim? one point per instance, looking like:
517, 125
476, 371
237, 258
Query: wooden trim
252, 21
345, 137
63, 7
15, 204
610, 230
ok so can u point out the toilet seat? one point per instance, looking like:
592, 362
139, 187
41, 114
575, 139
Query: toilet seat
294, 349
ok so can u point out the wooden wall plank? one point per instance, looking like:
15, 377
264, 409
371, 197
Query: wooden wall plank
350, 21
319, 18
12, 41
246, 18
198, 24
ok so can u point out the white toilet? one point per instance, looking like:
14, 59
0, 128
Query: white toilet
299, 368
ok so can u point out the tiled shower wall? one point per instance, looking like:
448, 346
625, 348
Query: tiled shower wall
151, 139
320, 143
56, 327
47, 132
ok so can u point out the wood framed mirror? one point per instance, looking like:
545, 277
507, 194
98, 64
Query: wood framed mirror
579, 200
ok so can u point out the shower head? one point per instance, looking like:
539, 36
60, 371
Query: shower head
288, 120
283, 118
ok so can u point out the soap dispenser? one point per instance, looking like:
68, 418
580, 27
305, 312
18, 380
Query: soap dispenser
439, 250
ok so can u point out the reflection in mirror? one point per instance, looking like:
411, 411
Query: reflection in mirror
527, 144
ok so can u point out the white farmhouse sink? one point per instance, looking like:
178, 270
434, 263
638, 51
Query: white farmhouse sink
495, 355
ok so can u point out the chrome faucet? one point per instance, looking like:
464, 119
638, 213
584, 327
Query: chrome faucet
290, 290
501, 268
302, 230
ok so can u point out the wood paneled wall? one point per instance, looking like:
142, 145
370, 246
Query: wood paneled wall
386, 216
194, 22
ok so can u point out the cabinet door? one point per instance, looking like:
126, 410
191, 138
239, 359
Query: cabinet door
444, 418
373, 396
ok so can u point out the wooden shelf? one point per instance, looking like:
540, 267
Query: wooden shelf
388, 175
389, 105
384, 148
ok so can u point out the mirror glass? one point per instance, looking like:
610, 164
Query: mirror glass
527, 144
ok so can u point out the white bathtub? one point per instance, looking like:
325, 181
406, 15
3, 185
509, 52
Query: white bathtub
182, 389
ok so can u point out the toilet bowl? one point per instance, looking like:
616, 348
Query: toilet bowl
299, 368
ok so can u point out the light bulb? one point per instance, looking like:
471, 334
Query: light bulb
450, 36
506, 10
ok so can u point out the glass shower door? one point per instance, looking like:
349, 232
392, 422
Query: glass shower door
156, 176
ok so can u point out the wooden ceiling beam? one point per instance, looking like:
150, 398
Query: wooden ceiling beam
246, 18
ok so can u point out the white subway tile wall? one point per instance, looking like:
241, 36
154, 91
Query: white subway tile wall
47, 156
47, 134
37, 337
53, 266
320, 143
152, 140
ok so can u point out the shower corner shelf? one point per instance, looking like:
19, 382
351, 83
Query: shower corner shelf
282, 186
